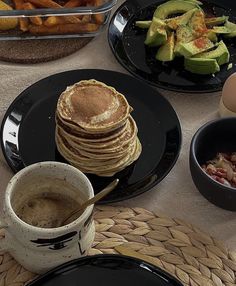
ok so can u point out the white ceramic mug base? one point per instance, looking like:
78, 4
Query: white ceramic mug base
40, 262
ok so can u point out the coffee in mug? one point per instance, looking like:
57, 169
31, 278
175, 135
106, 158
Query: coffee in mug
36, 200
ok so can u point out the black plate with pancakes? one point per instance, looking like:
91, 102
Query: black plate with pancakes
28, 130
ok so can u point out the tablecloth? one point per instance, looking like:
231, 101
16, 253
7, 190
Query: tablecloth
176, 195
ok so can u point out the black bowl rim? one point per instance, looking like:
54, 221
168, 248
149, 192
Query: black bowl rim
193, 147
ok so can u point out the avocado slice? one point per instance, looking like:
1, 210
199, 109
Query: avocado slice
211, 36
232, 29
143, 24
215, 21
156, 35
166, 52
197, 23
173, 7
201, 66
183, 35
220, 30
195, 47
174, 23
221, 54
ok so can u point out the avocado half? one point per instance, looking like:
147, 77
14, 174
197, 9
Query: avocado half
174, 7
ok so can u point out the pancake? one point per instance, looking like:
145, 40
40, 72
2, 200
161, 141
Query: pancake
93, 106
94, 129
108, 146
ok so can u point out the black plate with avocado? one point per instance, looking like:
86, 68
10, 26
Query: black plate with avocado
127, 43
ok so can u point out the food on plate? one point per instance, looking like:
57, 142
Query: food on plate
181, 28
222, 169
39, 25
94, 129
7, 23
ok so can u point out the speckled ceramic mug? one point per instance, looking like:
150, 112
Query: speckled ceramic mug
40, 249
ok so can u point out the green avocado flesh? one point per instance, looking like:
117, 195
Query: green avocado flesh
221, 54
143, 24
156, 35
214, 21
183, 35
181, 28
173, 7
201, 66
197, 23
166, 52
195, 47
232, 29
174, 23
220, 30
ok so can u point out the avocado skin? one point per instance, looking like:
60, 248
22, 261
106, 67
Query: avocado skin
173, 7
156, 35
201, 66
195, 47
166, 52
221, 54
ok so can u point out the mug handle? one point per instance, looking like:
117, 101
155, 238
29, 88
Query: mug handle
3, 243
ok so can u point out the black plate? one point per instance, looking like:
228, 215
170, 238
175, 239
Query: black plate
106, 270
127, 44
27, 132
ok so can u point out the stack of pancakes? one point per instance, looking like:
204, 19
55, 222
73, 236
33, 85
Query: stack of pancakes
94, 129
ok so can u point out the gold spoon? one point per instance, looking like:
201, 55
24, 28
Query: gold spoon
93, 200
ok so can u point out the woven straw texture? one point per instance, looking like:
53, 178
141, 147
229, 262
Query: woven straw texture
181, 249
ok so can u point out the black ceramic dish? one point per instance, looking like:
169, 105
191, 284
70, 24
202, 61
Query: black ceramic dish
106, 270
213, 137
28, 128
127, 44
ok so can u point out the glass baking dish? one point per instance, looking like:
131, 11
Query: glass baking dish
40, 19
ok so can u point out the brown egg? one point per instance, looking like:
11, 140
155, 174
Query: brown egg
229, 93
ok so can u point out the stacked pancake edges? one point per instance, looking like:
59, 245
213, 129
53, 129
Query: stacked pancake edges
94, 129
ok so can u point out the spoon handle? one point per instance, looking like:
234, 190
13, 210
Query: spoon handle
94, 199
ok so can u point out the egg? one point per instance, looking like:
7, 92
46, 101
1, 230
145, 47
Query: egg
228, 99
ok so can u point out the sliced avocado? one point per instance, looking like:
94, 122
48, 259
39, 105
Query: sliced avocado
166, 52
183, 35
156, 35
173, 7
143, 24
201, 66
220, 30
232, 29
174, 23
195, 47
221, 54
211, 36
215, 21
197, 23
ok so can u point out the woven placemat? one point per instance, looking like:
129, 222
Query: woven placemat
181, 249
37, 51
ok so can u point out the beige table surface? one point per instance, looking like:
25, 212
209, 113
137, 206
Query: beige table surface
176, 195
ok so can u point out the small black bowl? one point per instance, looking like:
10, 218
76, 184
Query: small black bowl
214, 137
